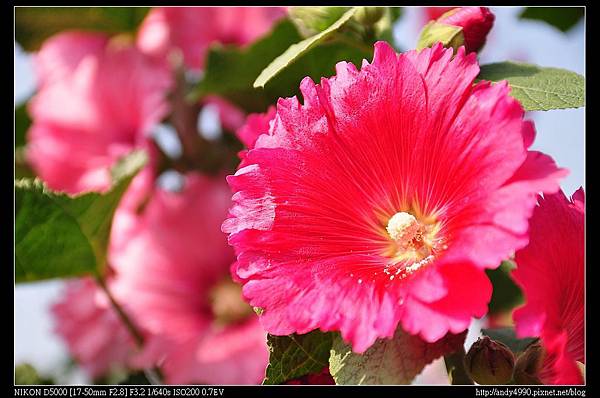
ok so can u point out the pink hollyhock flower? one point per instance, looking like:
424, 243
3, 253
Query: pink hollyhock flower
381, 200
172, 265
92, 108
476, 23
94, 334
550, 270
193, 29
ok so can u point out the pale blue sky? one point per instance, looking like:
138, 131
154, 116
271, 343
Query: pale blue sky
560, 134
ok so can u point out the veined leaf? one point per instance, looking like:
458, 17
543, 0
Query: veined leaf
538, 88
297, 355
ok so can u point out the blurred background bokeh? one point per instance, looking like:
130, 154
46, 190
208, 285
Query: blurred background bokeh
560, 133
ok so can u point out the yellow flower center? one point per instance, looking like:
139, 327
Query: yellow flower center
403, 228
413, 240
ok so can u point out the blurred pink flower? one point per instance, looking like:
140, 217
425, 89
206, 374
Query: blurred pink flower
550, 270
380, 200
172, 271
93, 332
97, 101
193, 29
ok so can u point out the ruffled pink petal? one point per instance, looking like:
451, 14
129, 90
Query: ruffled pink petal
452, 312
255, 125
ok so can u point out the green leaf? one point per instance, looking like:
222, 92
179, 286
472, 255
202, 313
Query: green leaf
538, 88
506, 295
389, 361
57, 235
297, 50
230, 71
562, 18
507, 336
297, 355
33, 25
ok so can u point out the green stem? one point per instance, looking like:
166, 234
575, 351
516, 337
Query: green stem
455, 366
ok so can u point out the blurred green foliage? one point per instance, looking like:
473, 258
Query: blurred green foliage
506, 294
26, 374
231, 71
562, 18
34, 24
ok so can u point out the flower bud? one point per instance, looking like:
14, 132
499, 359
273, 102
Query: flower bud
466, 26
312, 20
433, 32
369, 16
490, 362
529, 364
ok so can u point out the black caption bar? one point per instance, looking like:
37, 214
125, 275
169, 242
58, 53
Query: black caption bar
296, 391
